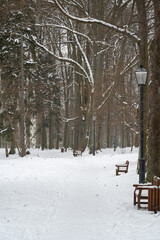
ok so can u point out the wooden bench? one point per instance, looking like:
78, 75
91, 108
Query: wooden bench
77, 153
122, 168
63, 149
148, 194
154, 198
140, 198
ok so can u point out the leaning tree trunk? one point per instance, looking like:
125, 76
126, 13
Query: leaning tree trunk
153, 166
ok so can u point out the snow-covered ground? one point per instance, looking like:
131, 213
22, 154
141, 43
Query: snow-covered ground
49, 195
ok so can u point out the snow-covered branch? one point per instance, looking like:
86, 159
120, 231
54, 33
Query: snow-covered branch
130, 65
66, 28
66, 120
70, 85
130, 127
85, 57
104, 94
122, 30
62, 59
105, 100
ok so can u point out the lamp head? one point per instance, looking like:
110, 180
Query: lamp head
94, 117
141, 76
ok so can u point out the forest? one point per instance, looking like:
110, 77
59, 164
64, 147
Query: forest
67, 75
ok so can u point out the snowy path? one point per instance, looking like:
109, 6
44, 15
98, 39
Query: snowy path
59, 197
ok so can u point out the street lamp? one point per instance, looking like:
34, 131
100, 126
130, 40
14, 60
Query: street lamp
94, 129
141, 76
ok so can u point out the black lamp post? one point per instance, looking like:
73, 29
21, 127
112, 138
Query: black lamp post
141, 76
94, 129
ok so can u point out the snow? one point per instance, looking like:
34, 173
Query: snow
49, 195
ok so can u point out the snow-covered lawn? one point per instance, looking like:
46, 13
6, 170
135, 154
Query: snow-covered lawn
49, 195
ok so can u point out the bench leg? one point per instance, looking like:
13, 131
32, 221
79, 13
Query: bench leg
134, 199
139, 206
117, 172
139, 198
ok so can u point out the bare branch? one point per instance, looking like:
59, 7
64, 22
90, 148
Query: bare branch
84, 56
66, 28
63, 59
130, 65
105, 100
66, 120
123, 31
127, 124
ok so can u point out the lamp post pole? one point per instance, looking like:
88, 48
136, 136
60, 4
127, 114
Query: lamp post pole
141, 159
141, 76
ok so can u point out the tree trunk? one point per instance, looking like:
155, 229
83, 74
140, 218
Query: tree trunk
38, 131
22, 142
12, 149
43, 133
6, 149
153, 166
108, 128
50, 131
143, 57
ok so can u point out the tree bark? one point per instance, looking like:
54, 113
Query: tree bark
153, 165
143, 58
22, 137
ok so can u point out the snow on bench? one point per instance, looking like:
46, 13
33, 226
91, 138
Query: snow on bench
148, 194
77, 153
122, 168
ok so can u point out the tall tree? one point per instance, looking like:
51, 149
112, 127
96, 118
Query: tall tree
153, 166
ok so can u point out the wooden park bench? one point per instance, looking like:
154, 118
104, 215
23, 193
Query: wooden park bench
77, 153
154, 198
62, 149
122, 168
148, 194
